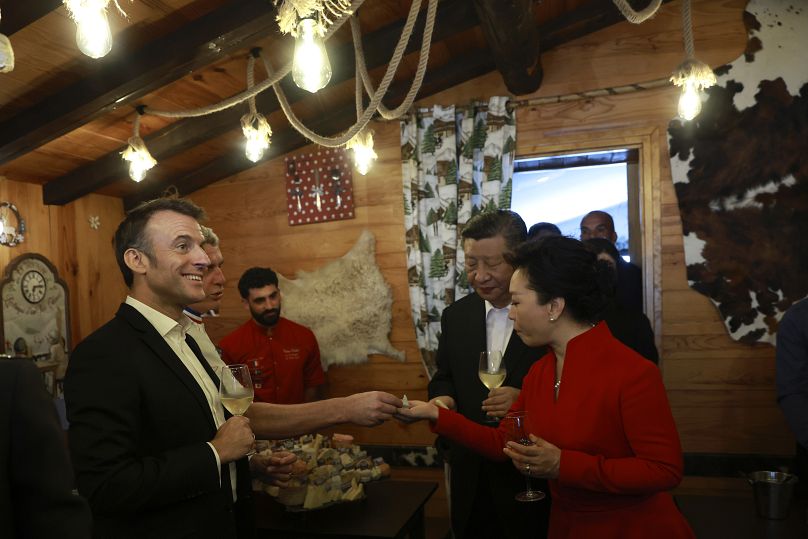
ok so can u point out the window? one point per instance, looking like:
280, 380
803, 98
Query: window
562, 189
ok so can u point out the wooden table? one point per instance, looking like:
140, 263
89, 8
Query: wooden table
719, 517
392, 509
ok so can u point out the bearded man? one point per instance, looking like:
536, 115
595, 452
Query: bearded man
283, 356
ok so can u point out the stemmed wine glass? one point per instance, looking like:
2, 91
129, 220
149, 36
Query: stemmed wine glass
516, 427
492, 372
236, 388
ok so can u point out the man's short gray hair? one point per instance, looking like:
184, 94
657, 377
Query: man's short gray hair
209, 237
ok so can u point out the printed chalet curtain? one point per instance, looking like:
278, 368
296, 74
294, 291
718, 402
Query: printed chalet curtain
456, 162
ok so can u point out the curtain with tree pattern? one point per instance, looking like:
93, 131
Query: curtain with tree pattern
456, 163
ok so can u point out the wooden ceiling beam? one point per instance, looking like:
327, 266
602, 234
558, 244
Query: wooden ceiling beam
17, 14
452, 17
460, 69
123, 77
584, 20
512, 34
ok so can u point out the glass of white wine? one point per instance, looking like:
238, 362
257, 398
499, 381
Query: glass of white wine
492, 372
236, 388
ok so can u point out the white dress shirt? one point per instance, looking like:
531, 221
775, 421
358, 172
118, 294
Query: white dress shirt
498, 328
173, 332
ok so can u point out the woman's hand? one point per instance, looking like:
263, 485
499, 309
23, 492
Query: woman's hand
417, 411
541, 459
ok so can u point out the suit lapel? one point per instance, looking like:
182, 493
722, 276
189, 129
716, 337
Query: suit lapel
153, 340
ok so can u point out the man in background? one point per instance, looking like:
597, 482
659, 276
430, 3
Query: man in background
283, 356
276, 468
599, 224
542, 230
481, 491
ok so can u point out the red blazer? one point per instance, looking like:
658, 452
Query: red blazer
620, 451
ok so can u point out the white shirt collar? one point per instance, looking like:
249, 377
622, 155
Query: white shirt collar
162, 323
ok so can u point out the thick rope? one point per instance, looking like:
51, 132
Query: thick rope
362, 121
271, 80
687, 30
426, 43
251, 82
637, 17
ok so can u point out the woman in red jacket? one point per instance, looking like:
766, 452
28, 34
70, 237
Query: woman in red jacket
599, 417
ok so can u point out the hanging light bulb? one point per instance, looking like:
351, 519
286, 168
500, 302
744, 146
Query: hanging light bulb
692, 76
689, 102
363, 154
140, 160
93, 35
311, 69
257, 132
6, 55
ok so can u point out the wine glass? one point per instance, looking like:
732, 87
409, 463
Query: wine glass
492, 372
236, 388
515, 424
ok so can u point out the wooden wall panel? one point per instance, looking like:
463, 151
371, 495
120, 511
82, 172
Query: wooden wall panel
82, 256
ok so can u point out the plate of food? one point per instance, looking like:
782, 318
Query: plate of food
328, 471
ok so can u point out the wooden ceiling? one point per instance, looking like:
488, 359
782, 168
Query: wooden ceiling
64, 118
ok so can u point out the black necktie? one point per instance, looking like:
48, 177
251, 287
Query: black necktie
226, 486
198, 353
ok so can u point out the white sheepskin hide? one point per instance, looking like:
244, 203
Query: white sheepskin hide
346, 303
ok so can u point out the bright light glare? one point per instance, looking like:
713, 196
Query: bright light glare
689, 102
311, 70
93, 35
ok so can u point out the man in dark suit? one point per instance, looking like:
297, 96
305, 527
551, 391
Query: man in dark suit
154, 452
482, 492
599, 224
36, 479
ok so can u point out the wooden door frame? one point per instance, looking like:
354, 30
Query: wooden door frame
647, 141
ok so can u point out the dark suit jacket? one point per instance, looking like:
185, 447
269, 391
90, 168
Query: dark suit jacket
632, 328
462, 338
629, 285
36, 480
139, 423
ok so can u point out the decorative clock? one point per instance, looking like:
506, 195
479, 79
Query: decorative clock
34, 315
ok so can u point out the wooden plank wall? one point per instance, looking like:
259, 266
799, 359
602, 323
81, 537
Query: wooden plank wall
83, 257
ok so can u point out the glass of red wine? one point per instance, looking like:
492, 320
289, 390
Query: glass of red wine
515, 424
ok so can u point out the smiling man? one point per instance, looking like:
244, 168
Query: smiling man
283, 356
482, 491
153, 452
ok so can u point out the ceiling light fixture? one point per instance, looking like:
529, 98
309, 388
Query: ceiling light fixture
6, 52
255, 127
363, 154
253, 124
140, 160
311, 70
93, 35
691, 75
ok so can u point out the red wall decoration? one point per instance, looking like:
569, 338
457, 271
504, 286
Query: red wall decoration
319, 187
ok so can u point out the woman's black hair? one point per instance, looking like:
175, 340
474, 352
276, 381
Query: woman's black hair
561, 267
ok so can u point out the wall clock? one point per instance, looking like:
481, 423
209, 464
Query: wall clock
35, 302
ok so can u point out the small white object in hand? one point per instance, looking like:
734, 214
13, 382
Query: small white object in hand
405, 403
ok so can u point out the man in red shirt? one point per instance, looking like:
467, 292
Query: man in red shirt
283, 356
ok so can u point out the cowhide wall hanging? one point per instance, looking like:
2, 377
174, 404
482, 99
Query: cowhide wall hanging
346, 303
741, 176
